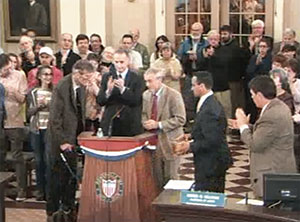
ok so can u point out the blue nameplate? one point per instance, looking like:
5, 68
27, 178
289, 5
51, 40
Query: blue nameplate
203, 198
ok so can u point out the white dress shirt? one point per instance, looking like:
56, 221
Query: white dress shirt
203, 98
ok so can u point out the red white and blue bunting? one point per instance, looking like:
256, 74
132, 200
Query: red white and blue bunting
114, 155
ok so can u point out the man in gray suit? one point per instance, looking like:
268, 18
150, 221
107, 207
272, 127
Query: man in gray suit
271, 138
67, 115
163, 113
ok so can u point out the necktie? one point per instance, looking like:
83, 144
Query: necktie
120, 76
154, 107
79, 112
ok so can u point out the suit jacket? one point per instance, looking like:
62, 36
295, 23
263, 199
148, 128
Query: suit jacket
210, 147
63, 118
122, 111
171, 114
2, 106
71, 60
271, 142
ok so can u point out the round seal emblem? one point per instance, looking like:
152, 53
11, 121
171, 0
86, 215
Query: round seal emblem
109, 186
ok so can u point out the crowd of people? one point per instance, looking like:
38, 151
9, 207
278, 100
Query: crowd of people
208, 83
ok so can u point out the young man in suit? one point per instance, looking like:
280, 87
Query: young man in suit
208, 144
66, 122
271, 138
163, 112
121, 94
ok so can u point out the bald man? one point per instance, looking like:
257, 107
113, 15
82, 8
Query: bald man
140, 48
190, 56
65, 57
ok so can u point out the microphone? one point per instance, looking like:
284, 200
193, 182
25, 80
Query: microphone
109, 133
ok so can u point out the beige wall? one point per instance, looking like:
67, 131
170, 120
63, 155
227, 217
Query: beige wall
126, 15
113, 18
291, 16
109, 18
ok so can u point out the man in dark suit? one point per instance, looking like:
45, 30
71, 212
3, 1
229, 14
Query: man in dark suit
121, 94
66, 121
65, 57
208, 144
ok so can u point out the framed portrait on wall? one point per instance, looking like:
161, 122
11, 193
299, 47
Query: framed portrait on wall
37, 15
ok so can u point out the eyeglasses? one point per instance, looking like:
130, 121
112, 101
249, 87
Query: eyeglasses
47, 74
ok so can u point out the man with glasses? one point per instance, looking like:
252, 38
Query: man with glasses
66, 122
191, 56
258, 30
15, 85
259, 64
190, 50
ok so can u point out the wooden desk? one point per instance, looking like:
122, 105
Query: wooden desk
169, 207
4, 177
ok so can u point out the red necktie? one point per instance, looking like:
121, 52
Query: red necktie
154, 108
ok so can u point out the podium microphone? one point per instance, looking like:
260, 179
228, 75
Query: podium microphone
109, 133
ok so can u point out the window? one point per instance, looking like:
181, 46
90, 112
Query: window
181, 14
242, 13
188, 12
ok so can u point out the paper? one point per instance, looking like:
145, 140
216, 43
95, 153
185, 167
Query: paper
251, 202
179, 184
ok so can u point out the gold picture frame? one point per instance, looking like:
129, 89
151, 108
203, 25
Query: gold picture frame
42, 18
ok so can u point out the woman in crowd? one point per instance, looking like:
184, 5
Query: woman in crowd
38, 100
16, 65
93, 110
283, 91
37, 46
16, 62
292, 70
158, 43
279, 61
170, 65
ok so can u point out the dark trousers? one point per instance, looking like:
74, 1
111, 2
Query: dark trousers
38, 144
14, 138
213, 183
61, 185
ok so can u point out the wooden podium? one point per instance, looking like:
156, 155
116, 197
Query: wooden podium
117, 185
